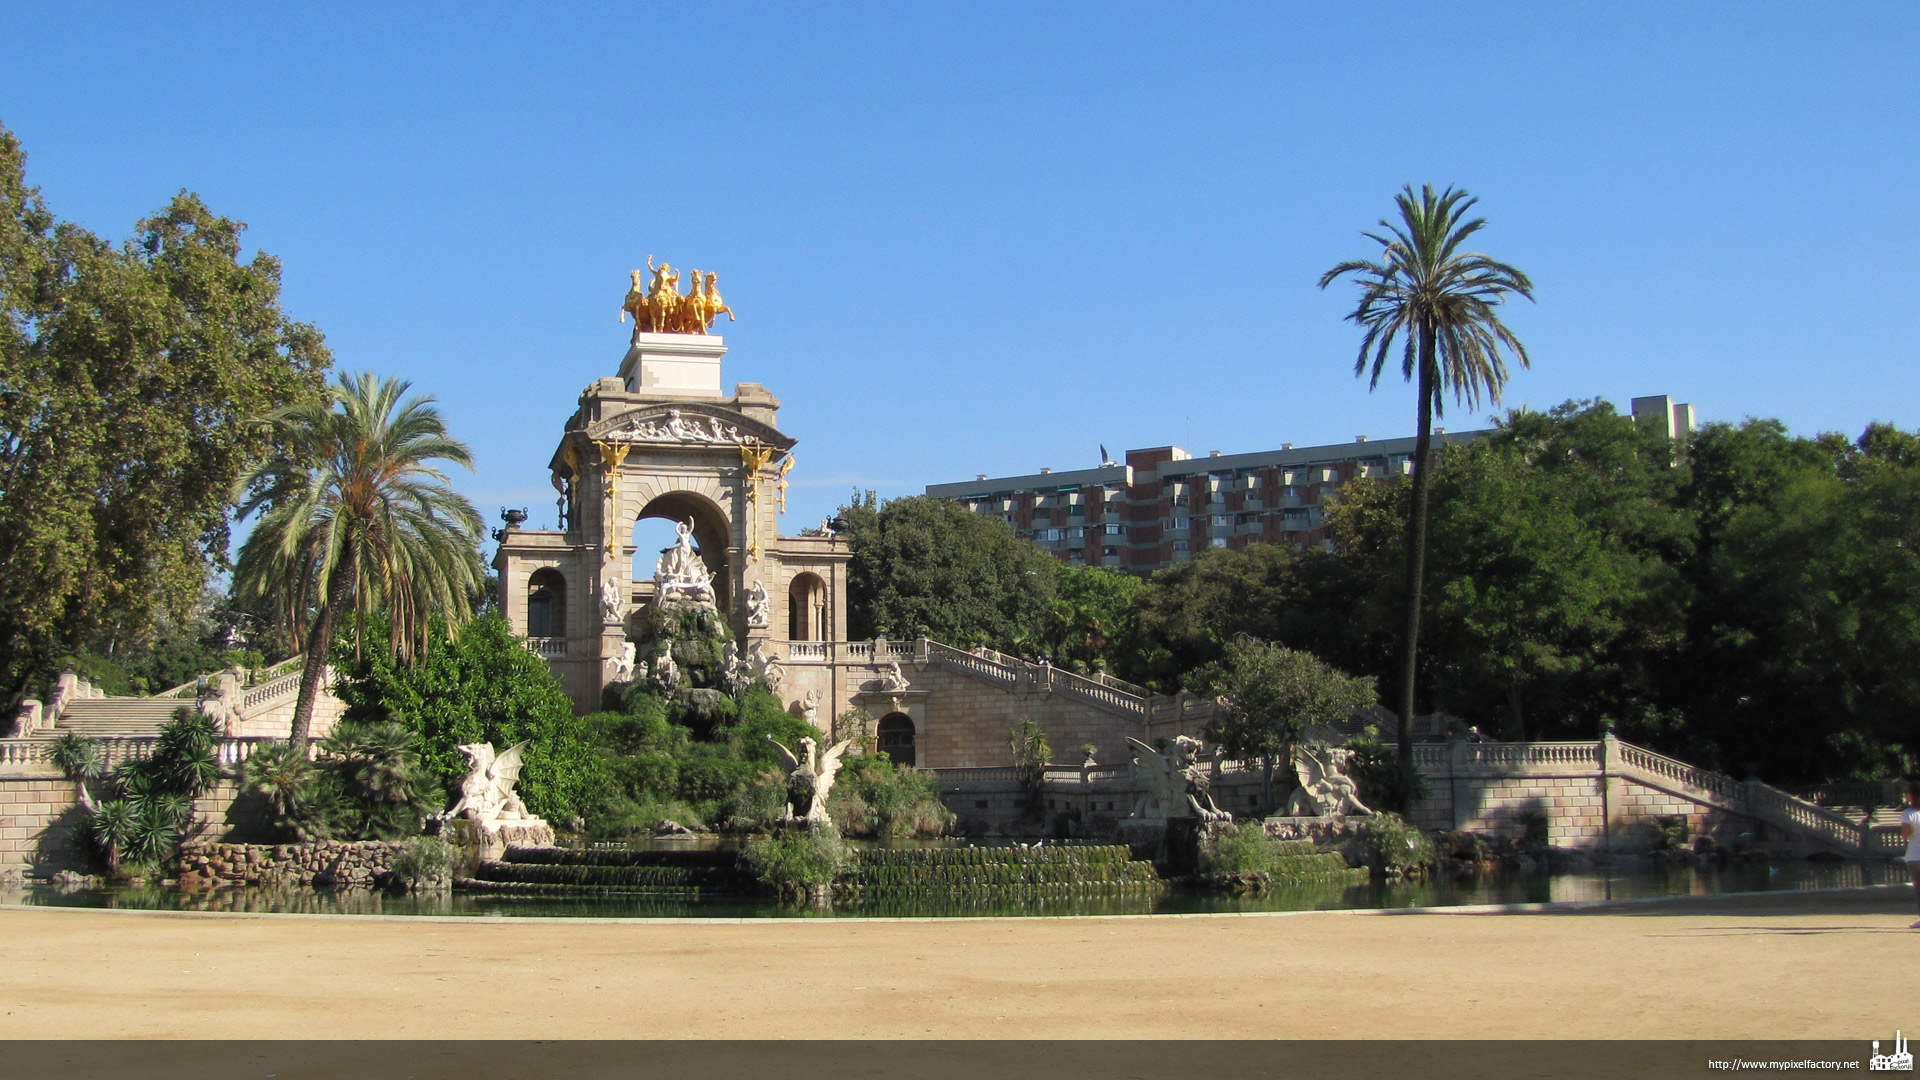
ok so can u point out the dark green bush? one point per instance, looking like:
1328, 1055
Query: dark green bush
1386, 783
798, 858
874, 797
1230, 850
1396, 847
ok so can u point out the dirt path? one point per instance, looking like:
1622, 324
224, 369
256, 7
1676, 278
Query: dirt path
1777, 967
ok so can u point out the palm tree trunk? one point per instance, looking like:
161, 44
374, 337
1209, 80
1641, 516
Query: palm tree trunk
1416, 545
319, 650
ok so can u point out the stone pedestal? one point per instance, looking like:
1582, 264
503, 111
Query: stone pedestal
491, 840
674, 364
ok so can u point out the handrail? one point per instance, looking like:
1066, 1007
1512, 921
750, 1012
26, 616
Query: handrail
1092, 692
975, 774
120, 749
975, 665
270, 692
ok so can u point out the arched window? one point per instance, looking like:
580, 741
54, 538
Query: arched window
807, 608
896, 738
546, 604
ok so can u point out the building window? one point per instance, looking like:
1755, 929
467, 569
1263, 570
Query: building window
1218, 541
1114, 530
1110, 552
1182, 523
1249, 519
1179, 545
546, 604
1223, 519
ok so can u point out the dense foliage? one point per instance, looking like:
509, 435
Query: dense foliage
368, 783
1746, 599
921, 562
148, 808
482, 685
131, 374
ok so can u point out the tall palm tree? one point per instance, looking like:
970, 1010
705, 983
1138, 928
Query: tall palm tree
1439, 302
356, 519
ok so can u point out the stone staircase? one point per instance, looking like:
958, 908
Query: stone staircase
108, 717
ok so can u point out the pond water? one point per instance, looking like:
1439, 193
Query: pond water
1625, 882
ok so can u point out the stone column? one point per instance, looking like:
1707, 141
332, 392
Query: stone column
1612, 793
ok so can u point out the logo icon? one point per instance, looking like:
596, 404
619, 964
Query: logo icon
1898, 1061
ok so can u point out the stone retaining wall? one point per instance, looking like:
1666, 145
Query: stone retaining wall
42, 824
338, 863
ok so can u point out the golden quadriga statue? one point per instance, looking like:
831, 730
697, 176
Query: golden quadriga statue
660, 308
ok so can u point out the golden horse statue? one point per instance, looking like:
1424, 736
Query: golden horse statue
660, 308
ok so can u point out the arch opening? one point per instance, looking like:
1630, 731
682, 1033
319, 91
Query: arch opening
546, 603
894, 737
807, 608
653, 531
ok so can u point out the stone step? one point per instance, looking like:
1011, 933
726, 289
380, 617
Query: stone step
119, 716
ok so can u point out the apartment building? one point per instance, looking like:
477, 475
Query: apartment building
1164, 504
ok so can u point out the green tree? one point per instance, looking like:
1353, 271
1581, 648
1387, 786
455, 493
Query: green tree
356, 519
1552, 588
1089, 611
1803, 645
130, 374
924, 562
1440, 302
1273, 694
480, 685
1305, 599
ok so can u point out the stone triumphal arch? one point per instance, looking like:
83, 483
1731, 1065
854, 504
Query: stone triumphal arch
661, 440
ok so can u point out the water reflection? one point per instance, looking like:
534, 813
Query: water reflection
1631, 882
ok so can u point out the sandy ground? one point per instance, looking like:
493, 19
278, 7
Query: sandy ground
1821, 966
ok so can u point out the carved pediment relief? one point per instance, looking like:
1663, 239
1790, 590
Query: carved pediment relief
686, 425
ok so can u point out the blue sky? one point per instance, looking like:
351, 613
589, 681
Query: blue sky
989, 238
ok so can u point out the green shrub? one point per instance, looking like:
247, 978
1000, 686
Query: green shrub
797, 859
77, 756
368, 784
1385, 782
479, 685
757, 806
151, 808
1395, 847
1669, 834
1231, 850
426, 863
874, 797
